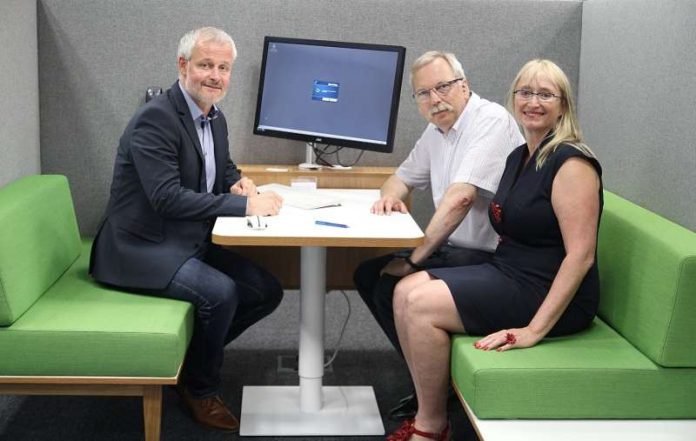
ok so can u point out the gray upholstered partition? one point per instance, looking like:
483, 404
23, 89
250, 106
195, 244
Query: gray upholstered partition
19, 91
638, 71
98, 57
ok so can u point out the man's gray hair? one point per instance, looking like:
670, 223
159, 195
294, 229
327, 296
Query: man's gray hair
431, 56
207, 34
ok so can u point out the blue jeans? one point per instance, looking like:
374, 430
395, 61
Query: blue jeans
230, 293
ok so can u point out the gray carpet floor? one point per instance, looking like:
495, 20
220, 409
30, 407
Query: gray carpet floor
365, 358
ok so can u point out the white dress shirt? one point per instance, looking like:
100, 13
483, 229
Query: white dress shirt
474, 151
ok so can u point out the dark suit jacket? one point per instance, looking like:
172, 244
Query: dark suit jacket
159, 213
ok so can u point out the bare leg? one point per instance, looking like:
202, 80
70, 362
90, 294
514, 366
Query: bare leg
425, 313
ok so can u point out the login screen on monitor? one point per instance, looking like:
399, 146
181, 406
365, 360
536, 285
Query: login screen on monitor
326, 91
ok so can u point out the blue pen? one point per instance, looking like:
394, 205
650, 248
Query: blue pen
330, 224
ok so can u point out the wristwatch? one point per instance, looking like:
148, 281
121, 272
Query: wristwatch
412, 264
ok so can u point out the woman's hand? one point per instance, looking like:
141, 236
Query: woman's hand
509, 339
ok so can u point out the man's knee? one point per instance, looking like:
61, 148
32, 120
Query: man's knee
205, 287
223, 294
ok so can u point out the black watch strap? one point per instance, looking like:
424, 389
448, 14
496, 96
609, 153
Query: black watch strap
413, 265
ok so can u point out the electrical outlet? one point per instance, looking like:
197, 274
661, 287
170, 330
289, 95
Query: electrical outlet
152, 92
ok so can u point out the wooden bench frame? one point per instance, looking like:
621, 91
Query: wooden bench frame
149, 388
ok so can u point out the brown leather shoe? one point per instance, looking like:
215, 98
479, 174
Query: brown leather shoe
210, 412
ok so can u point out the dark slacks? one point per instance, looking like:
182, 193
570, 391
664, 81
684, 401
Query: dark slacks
230, 293
378, 291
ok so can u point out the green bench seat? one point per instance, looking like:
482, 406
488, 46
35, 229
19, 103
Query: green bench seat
78, 328
63, 334
636, 361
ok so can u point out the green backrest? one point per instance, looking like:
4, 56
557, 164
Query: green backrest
39, 240
647, 268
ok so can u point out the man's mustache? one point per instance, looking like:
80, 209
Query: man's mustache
440, 108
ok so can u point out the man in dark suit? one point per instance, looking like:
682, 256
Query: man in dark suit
172, 177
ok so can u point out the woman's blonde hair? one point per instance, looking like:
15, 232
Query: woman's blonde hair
567, 129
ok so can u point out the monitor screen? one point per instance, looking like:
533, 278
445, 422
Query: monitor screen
338, 93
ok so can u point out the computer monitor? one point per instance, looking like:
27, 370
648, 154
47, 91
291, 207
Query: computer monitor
329, 92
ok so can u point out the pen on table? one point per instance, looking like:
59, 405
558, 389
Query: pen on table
330, 224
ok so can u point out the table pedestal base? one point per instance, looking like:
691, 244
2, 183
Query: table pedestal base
275, 411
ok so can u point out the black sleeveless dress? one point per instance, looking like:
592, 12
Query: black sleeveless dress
507, 292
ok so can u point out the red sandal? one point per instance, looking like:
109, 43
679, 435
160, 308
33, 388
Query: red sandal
408, 428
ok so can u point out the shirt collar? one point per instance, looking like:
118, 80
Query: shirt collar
196, 112
465, 118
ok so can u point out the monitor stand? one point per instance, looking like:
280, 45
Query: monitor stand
309, 163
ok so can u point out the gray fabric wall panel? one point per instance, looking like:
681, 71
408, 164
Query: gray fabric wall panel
638, 69
19, 90
97, 58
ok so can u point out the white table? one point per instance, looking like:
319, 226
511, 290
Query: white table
312, 409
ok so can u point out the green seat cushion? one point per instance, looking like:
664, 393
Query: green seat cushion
39, 240
647, 268
593, 374
80, 328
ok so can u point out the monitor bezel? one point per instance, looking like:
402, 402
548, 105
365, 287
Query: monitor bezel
400, 51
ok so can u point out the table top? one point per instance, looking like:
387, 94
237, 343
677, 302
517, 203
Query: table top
297, 227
